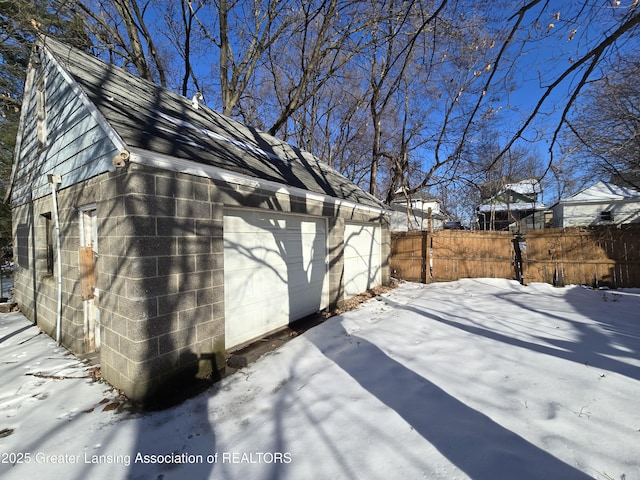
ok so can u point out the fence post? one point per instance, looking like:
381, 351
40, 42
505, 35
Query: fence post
426, 270
517, 261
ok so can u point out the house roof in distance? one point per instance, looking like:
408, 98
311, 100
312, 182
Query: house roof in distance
526, 192
603, 191
153, 119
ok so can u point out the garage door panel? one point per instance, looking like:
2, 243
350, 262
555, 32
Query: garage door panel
256, 222
288, 247
258, 285
362, 258
261, 321
275, 271
359, 241
276, 261
265, 282
363, 277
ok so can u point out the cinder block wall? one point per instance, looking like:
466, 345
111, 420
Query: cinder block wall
162, 274
160, 269
159, 273
36, 289
335, 249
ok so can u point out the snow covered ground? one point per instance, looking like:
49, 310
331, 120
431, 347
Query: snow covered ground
482, 379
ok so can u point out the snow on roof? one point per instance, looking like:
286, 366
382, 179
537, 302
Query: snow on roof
528, 186
603, 191
503, 207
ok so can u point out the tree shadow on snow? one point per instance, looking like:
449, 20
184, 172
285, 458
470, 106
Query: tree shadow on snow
178, 442
473, 442
613, 337
604, 343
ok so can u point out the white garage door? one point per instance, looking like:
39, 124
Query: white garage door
362, 258
275, 271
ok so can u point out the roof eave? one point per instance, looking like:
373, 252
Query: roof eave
190, 167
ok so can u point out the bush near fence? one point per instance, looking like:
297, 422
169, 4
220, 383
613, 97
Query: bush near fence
596, 256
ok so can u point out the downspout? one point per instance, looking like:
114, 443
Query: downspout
56, 180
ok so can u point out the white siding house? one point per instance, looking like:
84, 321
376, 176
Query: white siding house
420, 214
600, 204
507, 209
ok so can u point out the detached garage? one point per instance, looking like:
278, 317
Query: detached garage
211, 234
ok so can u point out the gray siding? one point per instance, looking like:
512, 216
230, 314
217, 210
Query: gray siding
79, 147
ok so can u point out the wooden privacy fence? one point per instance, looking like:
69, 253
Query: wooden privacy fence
589, 256
598, 256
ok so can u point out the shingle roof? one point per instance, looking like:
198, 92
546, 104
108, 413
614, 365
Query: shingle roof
155, 119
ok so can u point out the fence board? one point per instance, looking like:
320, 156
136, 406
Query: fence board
450, 255
408, 256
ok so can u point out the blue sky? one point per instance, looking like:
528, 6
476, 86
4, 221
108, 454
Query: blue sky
556, 39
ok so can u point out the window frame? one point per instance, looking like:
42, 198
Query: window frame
49, 242
606, 216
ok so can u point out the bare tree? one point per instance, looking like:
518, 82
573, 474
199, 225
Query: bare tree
395, 38
605, 129
180, 19
613, 25
325, 37
437, 80
242, 35
394, 93
119, 27
579, 38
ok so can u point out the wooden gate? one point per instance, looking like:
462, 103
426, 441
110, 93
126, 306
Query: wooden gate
451, 254
408, 259
459, 254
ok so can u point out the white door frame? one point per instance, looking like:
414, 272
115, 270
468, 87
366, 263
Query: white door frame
89, 238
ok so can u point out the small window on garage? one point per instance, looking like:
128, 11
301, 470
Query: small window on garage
21, 244
48, 241
606, 216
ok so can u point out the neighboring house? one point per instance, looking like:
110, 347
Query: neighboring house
600, 204
506, 209
537, 220
418, 214
183, 234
